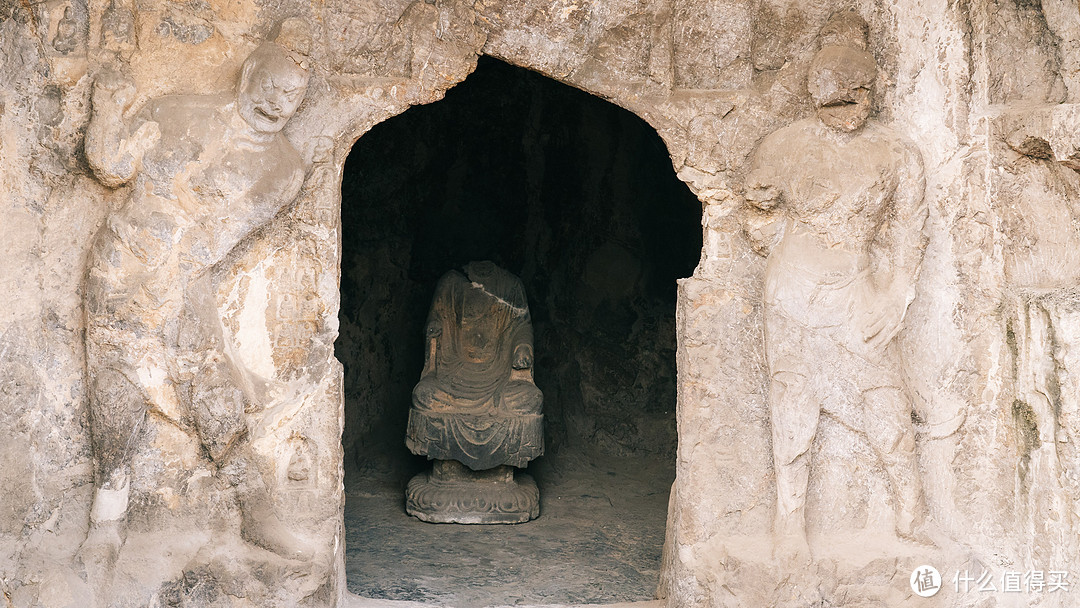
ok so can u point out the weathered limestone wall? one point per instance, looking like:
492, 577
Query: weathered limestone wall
987, 342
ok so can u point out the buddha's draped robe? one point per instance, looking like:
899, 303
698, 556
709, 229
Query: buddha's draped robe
471, 405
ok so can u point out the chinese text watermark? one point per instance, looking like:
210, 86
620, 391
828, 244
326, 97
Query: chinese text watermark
926, 581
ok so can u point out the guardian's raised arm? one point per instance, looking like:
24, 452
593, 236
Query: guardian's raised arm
115, 153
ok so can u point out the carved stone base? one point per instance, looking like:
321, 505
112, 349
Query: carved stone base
451, 493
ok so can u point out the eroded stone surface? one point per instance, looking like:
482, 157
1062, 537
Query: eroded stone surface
985, 344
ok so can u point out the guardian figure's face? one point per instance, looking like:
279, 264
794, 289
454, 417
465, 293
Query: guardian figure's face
272, 85
841, 84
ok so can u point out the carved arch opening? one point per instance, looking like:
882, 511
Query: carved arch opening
581, 203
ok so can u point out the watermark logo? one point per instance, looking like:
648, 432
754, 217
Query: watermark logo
925, 581
1012, 581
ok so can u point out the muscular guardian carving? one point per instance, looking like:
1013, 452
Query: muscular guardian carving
167, 397
837, 204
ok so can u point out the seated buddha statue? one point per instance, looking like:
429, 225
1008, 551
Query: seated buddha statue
476, 410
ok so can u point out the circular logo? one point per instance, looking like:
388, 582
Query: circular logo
925, 581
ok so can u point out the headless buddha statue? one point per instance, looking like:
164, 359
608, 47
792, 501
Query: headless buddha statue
476, 410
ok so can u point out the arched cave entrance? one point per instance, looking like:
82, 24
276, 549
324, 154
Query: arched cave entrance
578, 198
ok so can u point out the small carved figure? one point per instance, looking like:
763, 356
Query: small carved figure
117, 28
295, 311
476, 410
208, 171
837, 205
323, 152
65, 40
316, 208
300, 463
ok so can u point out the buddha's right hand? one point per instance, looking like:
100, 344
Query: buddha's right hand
523, 357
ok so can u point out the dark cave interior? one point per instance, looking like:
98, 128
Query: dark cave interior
574, 195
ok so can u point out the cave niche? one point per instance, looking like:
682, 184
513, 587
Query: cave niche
578, 198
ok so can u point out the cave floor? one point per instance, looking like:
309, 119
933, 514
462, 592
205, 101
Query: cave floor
598, 540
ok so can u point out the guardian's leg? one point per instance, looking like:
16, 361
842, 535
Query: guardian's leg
117, 424
794, 413
892, 436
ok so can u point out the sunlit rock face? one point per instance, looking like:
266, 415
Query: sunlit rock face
171, 244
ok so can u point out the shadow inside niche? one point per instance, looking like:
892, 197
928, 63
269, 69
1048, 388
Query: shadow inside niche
578, 198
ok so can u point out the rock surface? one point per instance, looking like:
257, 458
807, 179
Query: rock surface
984, 90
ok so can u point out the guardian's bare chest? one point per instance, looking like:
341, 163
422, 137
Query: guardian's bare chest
851, 178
